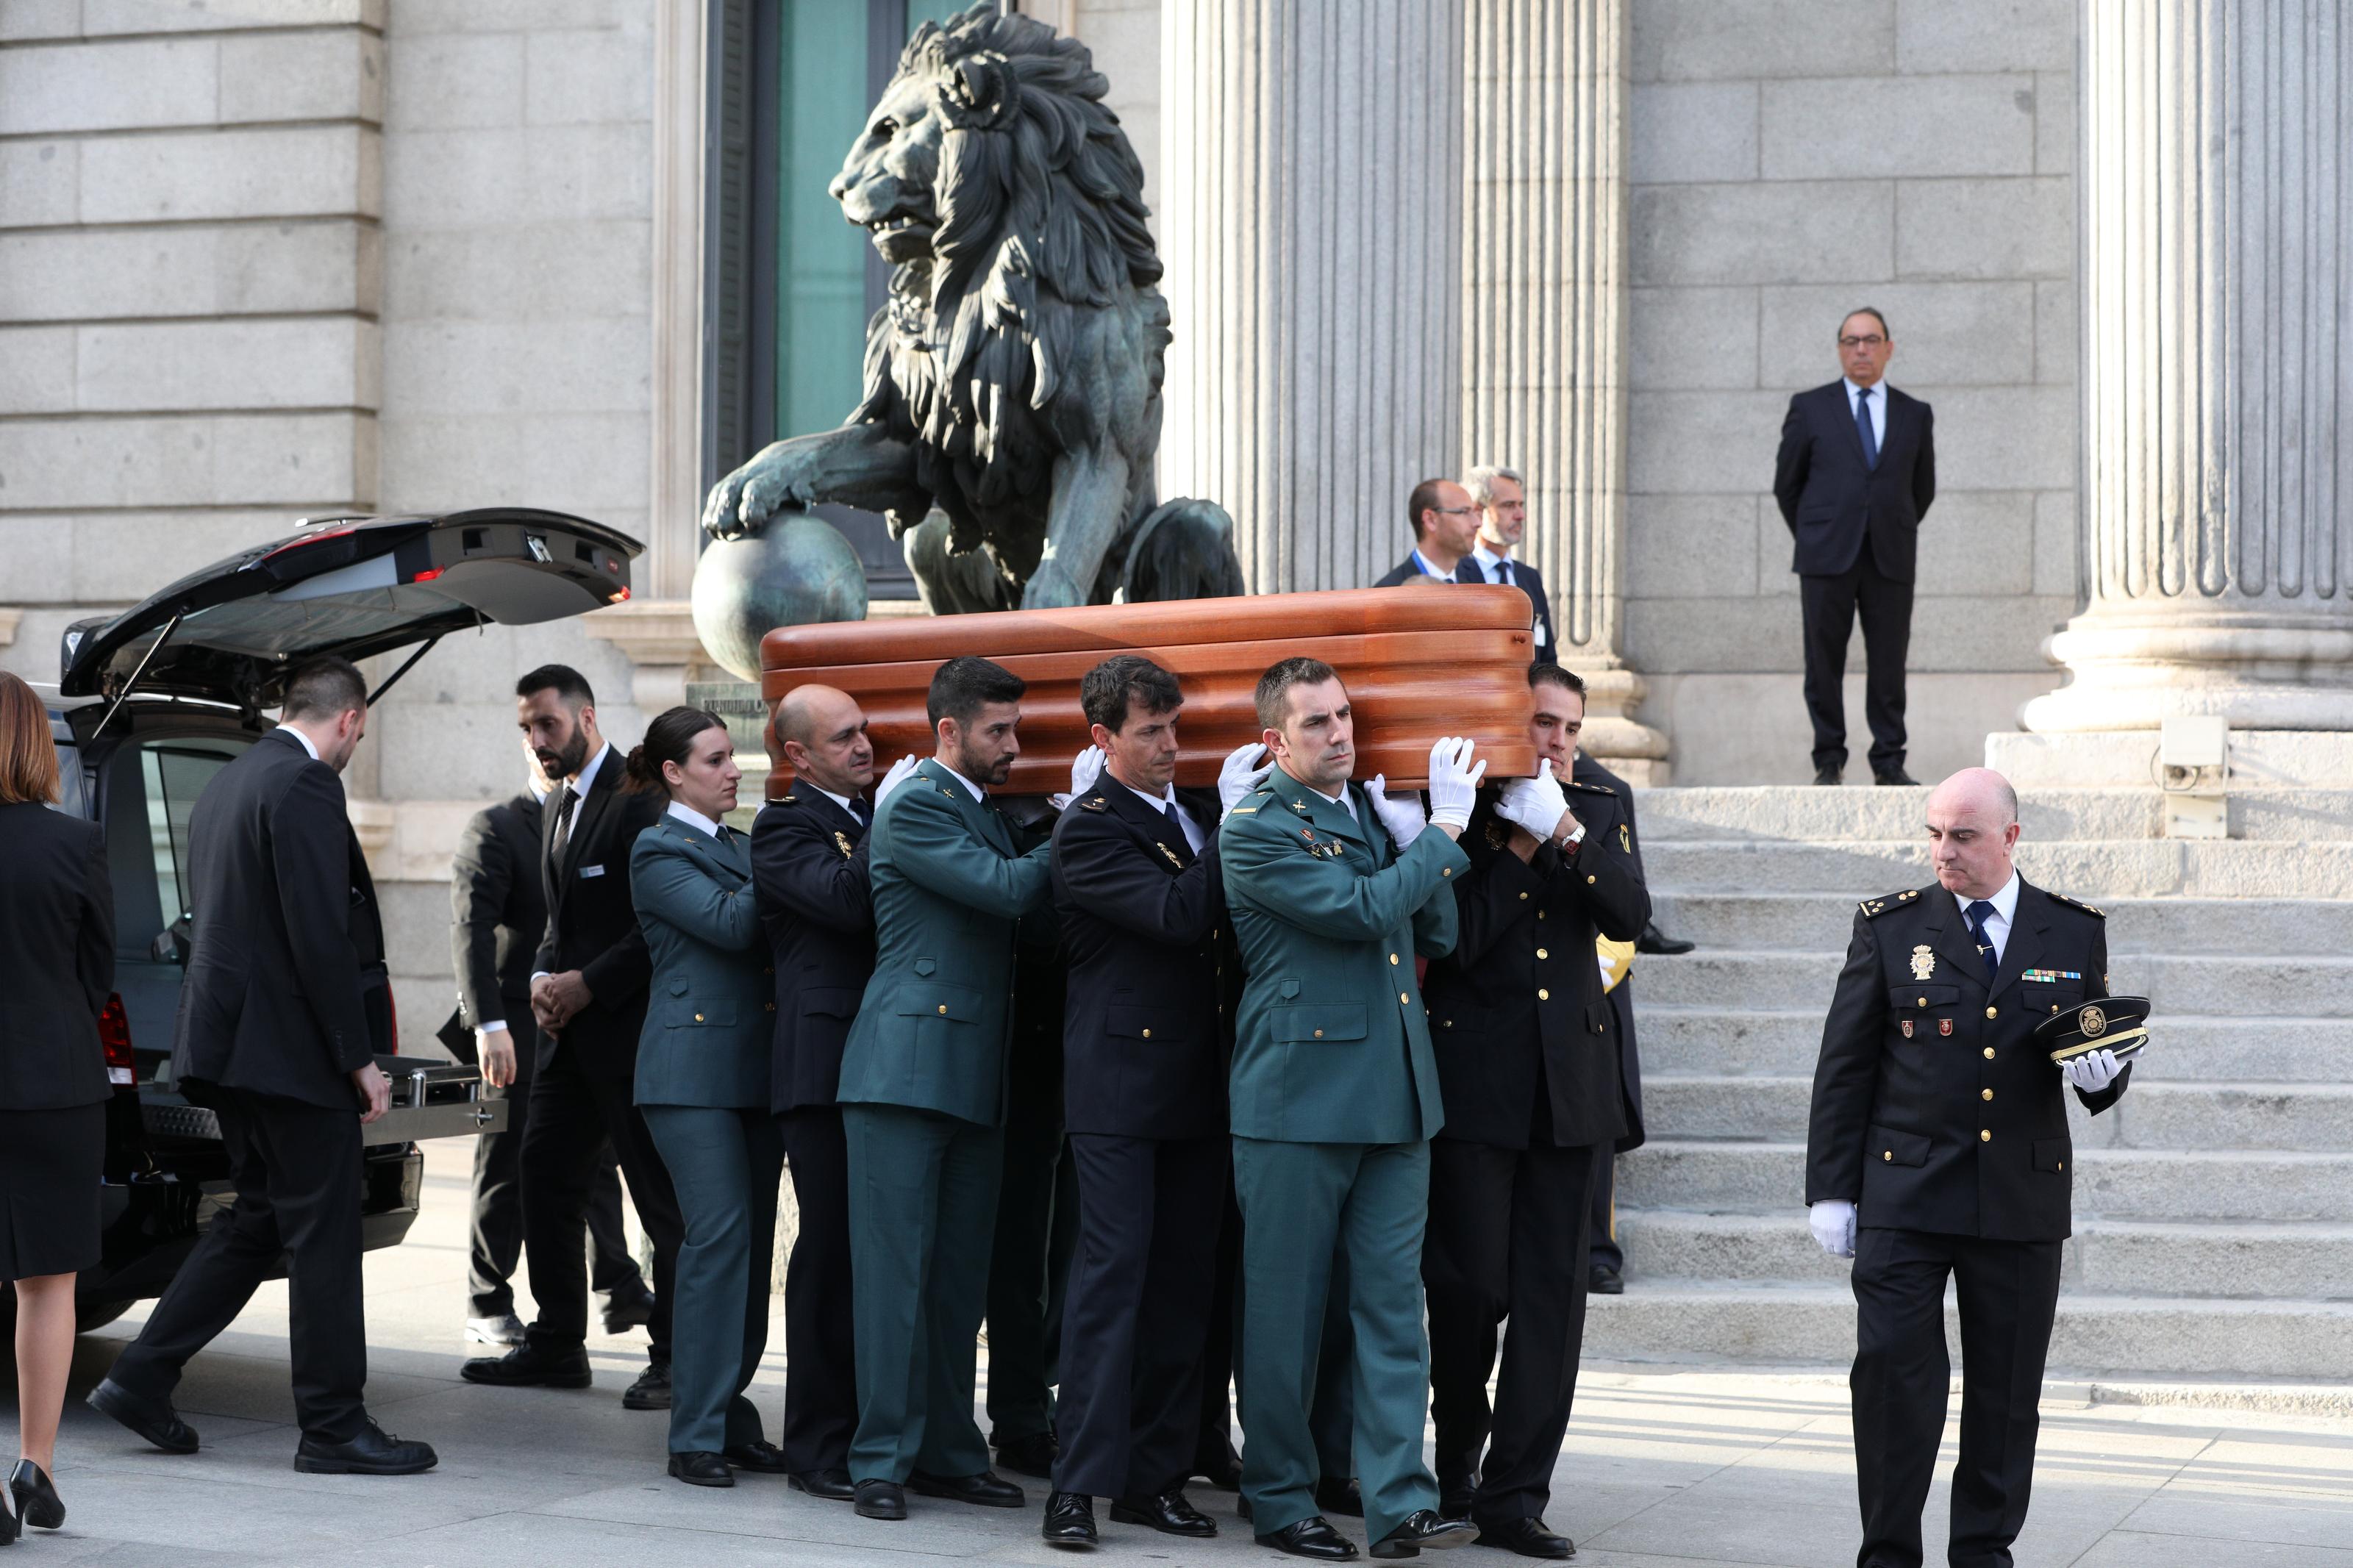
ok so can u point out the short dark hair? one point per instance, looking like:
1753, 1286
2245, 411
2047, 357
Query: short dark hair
563, 681
1873, 312
669, 739
1548, 674
1274, 687
322, 686
1424, 499
965, 685
1126, 678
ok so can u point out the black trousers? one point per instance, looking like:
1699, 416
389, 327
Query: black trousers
820, 1343
1507, 1238
575, 1111
1604, 1219
495, 1244
1213, 1443
1832, 605
2009, 1293
1028, 1270
1136, 1314
296, 1168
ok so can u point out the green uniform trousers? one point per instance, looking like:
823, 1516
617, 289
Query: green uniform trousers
726, 1162
923, 1213
1300, 1202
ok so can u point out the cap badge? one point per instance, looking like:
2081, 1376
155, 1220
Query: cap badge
1924, 963
2093, 1023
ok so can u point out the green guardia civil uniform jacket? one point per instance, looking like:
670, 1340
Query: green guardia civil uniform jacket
951, 876
1332, 1044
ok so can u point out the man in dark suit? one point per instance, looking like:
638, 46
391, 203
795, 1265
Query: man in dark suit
1939, 1151
1445, 527
588, 998
283, 1008
1856, 473
808, 868
1528, 1067
1144, 1051
1501, 496
498, 914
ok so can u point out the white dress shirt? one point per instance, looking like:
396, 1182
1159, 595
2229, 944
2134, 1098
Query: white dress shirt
1997, 926
693, 817
1164, 803
840, 800
977, 792
1878, 409
1488, 561
499, 1026
1340, 800
1423, 563
307, 743
579, 787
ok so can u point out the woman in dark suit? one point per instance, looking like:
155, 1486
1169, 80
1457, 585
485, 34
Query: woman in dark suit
57, 969
703, 1084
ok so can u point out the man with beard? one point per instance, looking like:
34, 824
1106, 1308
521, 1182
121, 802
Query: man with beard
923, 1096
588, 998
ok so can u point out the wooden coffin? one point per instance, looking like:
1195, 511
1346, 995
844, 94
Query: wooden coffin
1419, 666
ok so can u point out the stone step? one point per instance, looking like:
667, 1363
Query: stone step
2267, 1186
2154, 1114
2096, 869
1824, 921
2191, 1047
2306, 986
1814, 1323
2206, 1260
1803, 812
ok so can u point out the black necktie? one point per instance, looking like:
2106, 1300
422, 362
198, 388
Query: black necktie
1862, 427
563, 825
1979, 912
1503, 573
858, 812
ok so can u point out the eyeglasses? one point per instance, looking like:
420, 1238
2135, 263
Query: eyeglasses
1455, 510
1872, 342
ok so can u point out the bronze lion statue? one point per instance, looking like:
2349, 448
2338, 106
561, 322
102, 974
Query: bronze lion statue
1013, 378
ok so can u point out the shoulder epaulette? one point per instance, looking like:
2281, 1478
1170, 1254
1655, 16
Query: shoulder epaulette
1590, 788
1094, 803
1875, 908
786, 800
2091, 909
1243, 811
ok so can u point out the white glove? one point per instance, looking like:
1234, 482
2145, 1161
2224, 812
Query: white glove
1454, 783
1237, 779
1832, 1220
1085, 768
898, 774
1403, 818
2092, 1072
1534, 804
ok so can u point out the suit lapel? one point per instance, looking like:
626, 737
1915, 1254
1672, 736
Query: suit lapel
1152, 826
986, 822
561, 874
1949, 934
2030, 921
1843, 404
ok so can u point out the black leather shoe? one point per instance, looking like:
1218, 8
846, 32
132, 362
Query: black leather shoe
529, 1366
1170, 1513
1454, 1496
1528, 1537
1340, 1495
879, 1499
1311, 1537
1893, 777
1604, 1281
154, 1420
652, 1391
1221, 1470
38, 1503
984, 1489
1031, 1455
834, 1484
1423, 1527
630, 1307
1654, 939
759, 1455
702, 1467
370, 1451
1069, 1519
1828, 775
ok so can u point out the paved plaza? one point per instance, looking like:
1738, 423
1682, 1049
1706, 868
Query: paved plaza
1666, 1467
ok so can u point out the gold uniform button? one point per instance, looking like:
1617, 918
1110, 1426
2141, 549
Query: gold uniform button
1393, 958
1147, 1034
2060, 1165
1990, 1012
1524, 897
1985, 1136
1989, 1053
1319, 1033
1448, 871
1887, 1154
1403, 997
1540, 914
1985, 1094
698, 1018
1588, 882
1920, 1002
943, 1006
1543, 995
2054, 1006
1542, 953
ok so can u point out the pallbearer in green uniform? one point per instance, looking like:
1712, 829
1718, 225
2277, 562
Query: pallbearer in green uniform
1334, 889
923, 1096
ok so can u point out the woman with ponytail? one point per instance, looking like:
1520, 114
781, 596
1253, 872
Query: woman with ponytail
703, 1086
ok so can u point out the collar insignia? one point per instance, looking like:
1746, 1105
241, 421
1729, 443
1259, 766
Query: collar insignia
842, 841
1172, 855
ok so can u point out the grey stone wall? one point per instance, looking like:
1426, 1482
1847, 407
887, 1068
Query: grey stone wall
1792, 160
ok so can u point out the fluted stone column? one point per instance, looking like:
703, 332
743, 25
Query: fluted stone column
1544, 354
1310, 213
2218, 369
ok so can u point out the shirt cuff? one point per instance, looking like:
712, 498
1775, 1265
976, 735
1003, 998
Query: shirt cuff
483, 1031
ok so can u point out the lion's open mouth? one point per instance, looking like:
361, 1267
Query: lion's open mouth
899, 223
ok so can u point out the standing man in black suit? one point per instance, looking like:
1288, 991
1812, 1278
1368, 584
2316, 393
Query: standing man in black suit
1856, 474
498, 913
1939, 1151
1529, 1070
283, 1009
1445, 527
1144, 1052
588, 998
808, 868
1502, 497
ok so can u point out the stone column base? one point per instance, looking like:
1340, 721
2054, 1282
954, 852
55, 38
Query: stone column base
2093, 759
1612, 736
2260, 669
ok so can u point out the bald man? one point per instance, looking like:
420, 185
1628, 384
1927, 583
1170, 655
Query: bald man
1939, 1150
808, 868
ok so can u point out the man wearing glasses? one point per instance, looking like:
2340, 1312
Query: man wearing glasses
1856, 474
1445, 524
